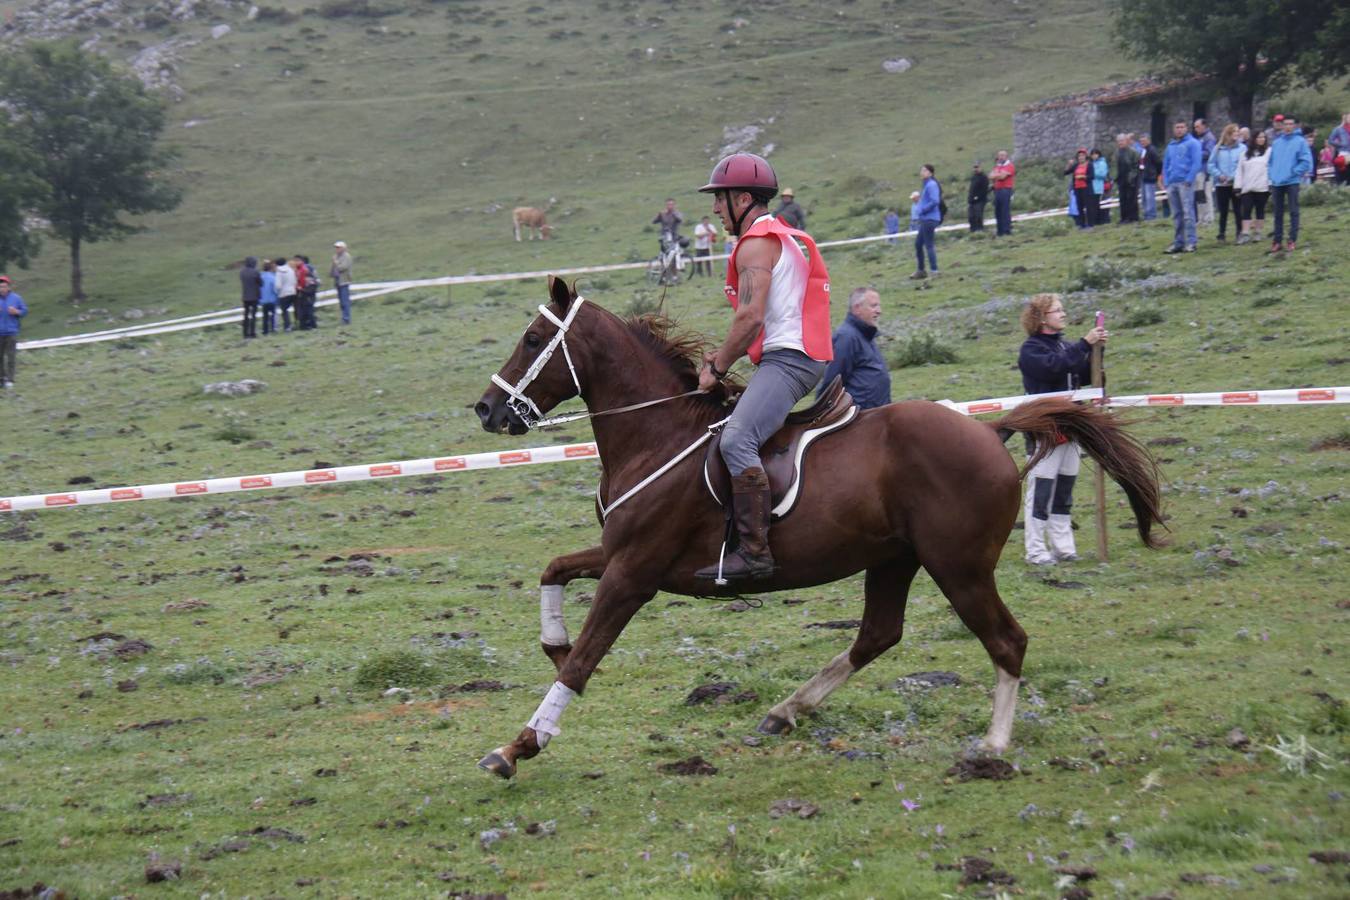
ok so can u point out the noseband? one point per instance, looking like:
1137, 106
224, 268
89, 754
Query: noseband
528, 411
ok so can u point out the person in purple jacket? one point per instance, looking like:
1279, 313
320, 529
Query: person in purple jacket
1049, 363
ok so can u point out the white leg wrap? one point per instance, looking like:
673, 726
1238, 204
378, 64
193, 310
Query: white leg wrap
1005, 704
552, 628
545, 718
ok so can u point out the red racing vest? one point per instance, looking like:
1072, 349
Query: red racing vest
815, 305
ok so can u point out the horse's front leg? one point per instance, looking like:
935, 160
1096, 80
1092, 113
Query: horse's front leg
589, 563
617, 599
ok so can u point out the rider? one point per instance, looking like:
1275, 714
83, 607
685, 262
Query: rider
782, 322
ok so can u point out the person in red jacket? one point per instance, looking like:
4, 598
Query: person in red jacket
1003, 178
781, 298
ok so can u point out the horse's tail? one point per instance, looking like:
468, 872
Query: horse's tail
1104, 438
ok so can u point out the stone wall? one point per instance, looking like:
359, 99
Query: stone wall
1053, 133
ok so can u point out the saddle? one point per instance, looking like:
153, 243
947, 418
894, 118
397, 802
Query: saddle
782, 454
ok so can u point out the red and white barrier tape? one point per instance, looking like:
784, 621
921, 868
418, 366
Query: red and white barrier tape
505, 459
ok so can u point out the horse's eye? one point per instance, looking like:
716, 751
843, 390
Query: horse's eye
532, 340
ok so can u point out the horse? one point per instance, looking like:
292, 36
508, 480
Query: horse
904, 486
533, 219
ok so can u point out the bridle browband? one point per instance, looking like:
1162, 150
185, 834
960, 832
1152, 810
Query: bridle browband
528, 411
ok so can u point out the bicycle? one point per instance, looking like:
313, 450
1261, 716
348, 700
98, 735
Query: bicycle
672, 262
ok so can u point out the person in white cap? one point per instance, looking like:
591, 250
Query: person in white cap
341, 273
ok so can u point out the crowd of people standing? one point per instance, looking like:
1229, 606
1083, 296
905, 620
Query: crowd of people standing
291, 286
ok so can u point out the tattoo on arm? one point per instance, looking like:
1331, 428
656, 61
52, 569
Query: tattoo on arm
749, 279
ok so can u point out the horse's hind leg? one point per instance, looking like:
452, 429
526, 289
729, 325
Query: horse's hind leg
588, 563
973, 594
883, 621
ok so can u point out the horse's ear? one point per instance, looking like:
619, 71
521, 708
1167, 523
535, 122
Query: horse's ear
561, 293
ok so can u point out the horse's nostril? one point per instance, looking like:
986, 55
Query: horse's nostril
483, 410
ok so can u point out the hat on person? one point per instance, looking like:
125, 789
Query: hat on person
4, 279
787, 192
1082, 150
1278, 119
342, 244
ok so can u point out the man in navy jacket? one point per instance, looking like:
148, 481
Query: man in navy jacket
856, 357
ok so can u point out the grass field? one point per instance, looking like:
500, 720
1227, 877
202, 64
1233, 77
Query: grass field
203, 680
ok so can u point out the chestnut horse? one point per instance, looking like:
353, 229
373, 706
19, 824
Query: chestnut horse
906, 485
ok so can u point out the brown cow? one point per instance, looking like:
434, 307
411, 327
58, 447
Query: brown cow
531, 218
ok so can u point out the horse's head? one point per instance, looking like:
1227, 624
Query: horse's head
540, 374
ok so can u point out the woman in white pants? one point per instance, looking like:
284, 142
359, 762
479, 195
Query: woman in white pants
1049, 363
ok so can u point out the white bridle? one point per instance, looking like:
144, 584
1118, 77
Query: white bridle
523, 406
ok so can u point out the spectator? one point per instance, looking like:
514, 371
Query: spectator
925, 216
303, 295
250, 285
1150, 177
286, 292
670, 219
856, 356
1005, 175
790, 211
1101, 176
1127, 178
1252, 184
1289, 160
728, 247
1311, 137
268, 299
1181, 165
1223, 165
890, 224
311, 291
1048, 364
705, 235
1204, 187
1080, 169
12, 309
1340, 147
341, 273
977, 197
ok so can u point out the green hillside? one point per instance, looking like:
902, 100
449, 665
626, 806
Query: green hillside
411, 135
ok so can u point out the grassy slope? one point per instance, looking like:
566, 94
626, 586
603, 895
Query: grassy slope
1141, 672
409, 143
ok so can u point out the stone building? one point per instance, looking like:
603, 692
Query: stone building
1055, 128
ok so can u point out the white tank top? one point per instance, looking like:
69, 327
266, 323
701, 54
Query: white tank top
787, 293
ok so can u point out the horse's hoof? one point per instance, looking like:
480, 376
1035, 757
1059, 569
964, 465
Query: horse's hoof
774, 725
497, 764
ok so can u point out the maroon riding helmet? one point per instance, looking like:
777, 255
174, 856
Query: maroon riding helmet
742, 172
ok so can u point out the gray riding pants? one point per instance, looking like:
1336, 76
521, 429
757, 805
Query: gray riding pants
783, 378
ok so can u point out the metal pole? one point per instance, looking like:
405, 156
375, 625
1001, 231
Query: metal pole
1097, 381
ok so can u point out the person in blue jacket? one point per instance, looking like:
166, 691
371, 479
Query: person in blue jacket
1223, 164
856, 357
1289, 160
1049, 363
12, 309
927, 215
1101, 170
1181, 165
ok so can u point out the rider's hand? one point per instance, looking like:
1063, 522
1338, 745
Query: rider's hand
706, 379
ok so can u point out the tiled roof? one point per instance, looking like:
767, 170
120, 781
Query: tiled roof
1121, 92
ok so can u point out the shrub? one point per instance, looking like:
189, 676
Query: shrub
1324, 193
920, 350
361, 9
1139, 318
644, 303
1097, 274
276, 14
400, 668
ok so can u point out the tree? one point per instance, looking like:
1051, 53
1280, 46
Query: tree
93, 134
1247, 46
19, 192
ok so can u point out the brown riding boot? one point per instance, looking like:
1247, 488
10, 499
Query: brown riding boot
751, 505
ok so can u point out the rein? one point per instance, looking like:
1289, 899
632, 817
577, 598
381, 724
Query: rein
533, 417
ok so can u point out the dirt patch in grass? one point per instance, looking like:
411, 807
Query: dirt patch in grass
990, 768
402, 710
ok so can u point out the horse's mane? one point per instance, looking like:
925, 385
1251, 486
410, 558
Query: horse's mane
682, 351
